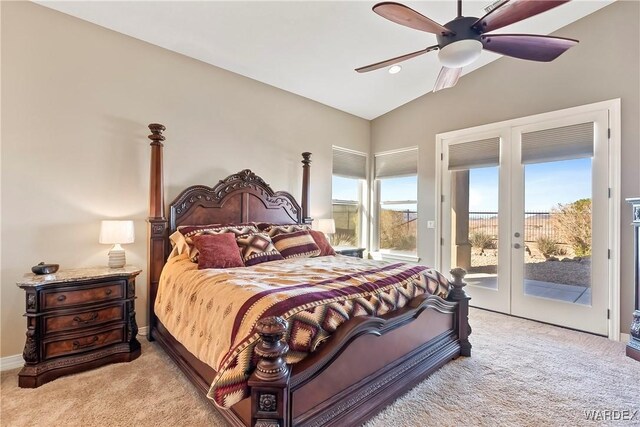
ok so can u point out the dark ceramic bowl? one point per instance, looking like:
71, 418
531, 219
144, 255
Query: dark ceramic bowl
43, 268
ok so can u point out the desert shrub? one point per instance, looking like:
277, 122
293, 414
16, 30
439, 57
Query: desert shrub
549, 247
482, 240
344, 239
396, 232
573, 223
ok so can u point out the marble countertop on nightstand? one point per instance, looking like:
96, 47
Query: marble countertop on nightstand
76, 274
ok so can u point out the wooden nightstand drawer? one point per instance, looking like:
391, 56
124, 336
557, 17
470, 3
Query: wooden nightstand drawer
82, 319
85, 342
64, 298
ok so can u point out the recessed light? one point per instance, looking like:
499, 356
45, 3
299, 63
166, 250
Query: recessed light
395, 69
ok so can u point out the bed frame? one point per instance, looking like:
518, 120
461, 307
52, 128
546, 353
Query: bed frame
338, 385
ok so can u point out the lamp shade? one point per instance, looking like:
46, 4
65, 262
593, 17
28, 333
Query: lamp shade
326, 225
113, 232
460, 54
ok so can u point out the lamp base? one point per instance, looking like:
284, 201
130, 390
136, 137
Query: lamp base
117, 258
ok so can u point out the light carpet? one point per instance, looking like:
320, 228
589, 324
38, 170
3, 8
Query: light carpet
521, 373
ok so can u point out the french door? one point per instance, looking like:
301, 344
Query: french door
525, 210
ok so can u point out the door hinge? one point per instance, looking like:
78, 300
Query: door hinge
442, 241
608, 314
609, 192
609, 133
442, 198
608, 253
441, 156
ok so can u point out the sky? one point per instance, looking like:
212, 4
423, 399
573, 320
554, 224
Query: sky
546, 185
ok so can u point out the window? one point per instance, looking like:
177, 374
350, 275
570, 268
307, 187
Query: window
349, 176
397, 195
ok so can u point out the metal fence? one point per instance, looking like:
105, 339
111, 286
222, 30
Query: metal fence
536, 225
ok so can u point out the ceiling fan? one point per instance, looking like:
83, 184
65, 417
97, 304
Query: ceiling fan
461, 41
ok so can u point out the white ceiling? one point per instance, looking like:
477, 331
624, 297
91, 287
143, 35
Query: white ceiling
309, 48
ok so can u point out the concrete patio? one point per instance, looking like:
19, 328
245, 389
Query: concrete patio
557, 291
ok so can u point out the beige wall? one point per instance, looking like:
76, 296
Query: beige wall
605, 65
76, 100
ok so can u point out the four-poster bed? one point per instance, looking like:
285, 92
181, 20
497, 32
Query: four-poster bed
340, 383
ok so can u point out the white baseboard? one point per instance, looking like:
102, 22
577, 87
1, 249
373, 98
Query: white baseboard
16, 361
625, 337
11, 362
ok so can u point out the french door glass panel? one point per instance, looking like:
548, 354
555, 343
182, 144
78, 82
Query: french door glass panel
559, 265
474, 197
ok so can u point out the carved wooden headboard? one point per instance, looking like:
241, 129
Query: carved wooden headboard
241, 197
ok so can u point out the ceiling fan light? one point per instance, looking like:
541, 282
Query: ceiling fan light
460, 54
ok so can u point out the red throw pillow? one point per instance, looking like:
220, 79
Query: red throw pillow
322, 242
218, 251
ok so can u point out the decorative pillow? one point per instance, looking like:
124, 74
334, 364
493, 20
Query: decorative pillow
178, 244
274, 230
217, 251
298, 244
257, 248
190, 231
321, 240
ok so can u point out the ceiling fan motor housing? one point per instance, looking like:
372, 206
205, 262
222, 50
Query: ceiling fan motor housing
462, 27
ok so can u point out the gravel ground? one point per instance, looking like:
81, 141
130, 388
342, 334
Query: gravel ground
567, 271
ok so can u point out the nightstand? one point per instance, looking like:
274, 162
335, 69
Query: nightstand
354, 252
78, 319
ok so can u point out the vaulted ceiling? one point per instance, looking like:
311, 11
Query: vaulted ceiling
309, 48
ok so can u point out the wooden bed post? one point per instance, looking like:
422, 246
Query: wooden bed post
462, 317
306, 161
270, 381
157, 229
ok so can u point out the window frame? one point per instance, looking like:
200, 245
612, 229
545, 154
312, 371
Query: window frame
364, 219
376, 204
390, 253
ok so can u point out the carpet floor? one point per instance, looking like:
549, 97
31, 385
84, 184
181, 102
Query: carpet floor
521, 373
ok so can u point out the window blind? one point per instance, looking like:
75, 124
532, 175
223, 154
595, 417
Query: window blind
401, 163
349, 164
562, 143
474, 154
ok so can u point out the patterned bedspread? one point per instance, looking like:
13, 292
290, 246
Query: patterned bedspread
213, 312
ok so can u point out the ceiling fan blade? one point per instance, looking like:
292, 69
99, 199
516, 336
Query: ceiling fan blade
527, 46
447, 78
513, 11
395, 60
403, 15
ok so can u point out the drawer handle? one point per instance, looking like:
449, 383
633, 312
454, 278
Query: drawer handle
108, 292
62, 298
90, 319
77, 345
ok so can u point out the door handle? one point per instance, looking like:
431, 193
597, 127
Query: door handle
517, 246
516, 234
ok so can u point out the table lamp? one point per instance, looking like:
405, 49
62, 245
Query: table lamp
116, 233
326, 225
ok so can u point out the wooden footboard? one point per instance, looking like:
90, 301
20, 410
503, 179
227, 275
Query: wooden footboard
364, 366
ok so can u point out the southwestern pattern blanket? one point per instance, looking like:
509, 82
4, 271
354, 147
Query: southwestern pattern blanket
213, 312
